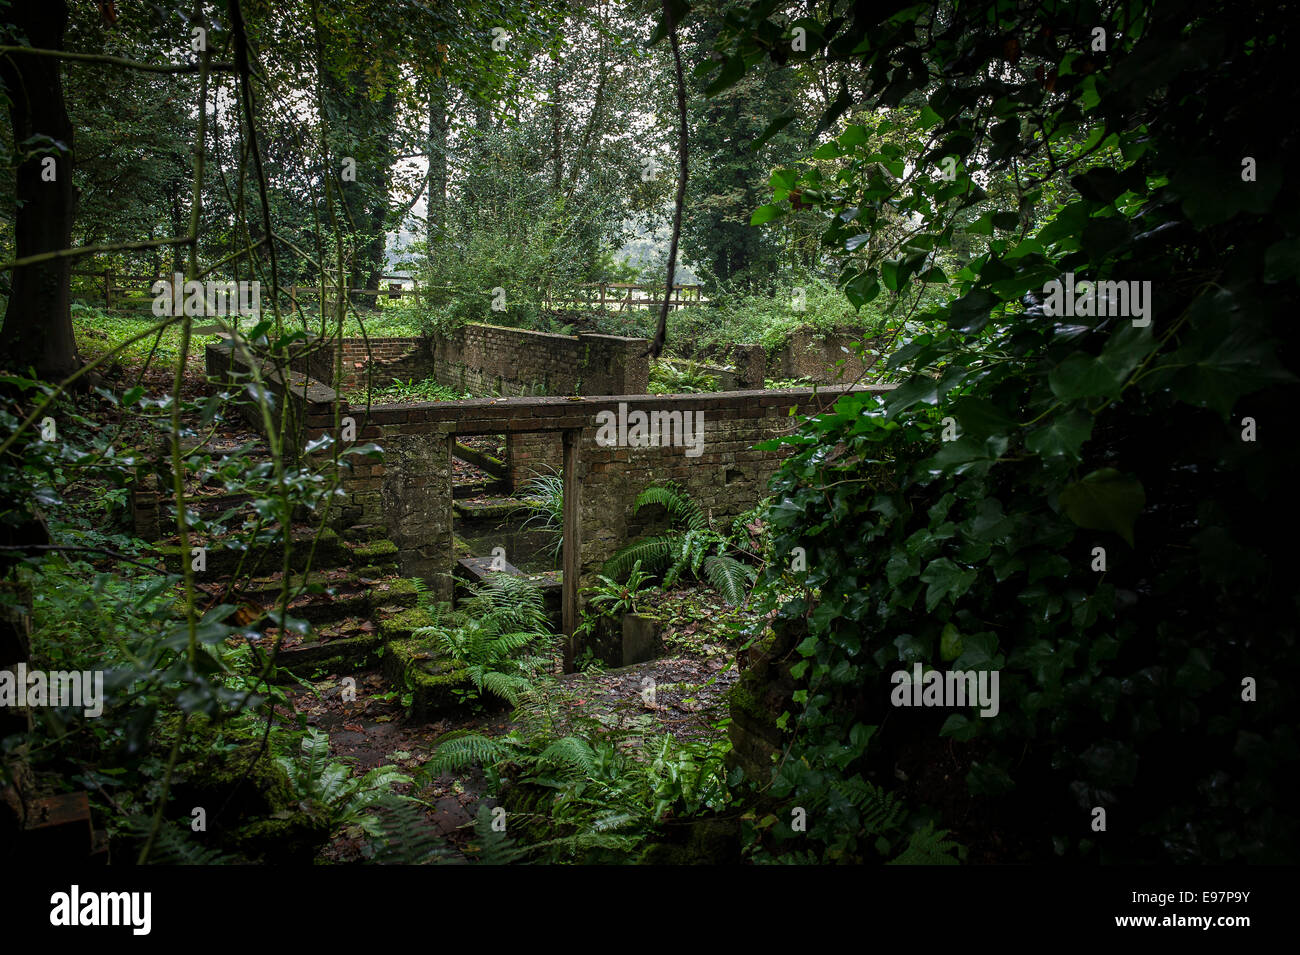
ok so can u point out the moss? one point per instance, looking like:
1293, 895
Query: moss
363, 550
349, 653
399, 592
433, 680
742, 700
402, 625
287, 837
404, 585
484, 511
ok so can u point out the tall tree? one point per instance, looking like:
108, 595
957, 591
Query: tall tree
38, 319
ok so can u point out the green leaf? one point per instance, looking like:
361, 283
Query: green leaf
1282, 260
980, 417
732, 70
970, 313
1105, 500
766, 213
1084, 376
1062, 436
774, 127
950, 643
1241, 363
946, 579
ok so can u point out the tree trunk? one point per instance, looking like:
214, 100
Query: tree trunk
436, 220
38, 320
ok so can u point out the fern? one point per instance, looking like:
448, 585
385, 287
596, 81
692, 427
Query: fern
404, 836
654, 553
330, 789
680, 507
463, 749
502, 616
929, 847
693, 547
729, 577
881, 811
570, 753
177, 844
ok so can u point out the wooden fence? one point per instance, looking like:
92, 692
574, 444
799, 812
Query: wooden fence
622, 296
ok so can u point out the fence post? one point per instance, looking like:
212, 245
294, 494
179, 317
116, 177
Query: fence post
108, 289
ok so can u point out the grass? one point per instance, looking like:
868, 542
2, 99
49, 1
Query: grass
100, 330
405, 391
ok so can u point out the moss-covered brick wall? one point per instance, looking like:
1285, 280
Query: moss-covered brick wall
409, 493
489, 360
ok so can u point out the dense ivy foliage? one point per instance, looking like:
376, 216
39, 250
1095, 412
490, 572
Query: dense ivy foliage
1162, 443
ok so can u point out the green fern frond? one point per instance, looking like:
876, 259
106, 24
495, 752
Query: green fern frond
495, 848
729, 577
880, 810
468, 749
508, 686
679, 505
654, 553
404, 835
570, 753
177, 845
929, 847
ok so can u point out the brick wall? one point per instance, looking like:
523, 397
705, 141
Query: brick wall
297, 394
377, 361
807, 356
488, 360
410, 492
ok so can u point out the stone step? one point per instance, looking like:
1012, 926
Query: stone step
223, 557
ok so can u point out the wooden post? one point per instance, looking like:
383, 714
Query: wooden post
572, 441
108, 289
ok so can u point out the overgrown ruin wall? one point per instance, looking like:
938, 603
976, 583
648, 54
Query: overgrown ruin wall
410, 492
488, 360
806, 355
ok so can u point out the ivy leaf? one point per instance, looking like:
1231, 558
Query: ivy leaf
980, 417
1083, 376
970, 313
1241, 363
950, 643
900, 566
1282, 260
946, 579
1105, 500
1063, 436
960, 727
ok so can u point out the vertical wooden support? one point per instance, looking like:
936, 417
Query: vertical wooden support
572, 543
